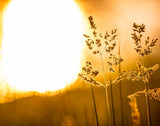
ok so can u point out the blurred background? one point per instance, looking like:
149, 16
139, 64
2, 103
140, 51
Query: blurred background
73, 106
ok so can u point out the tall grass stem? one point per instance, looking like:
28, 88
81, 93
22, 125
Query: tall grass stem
106, 90
112, 101
148, 106
94, 104
120, 88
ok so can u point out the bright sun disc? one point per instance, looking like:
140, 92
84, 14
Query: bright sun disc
41, 44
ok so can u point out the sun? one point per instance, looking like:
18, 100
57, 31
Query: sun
41, 44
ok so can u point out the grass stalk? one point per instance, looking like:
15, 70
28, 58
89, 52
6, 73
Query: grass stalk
120, 88
94, 104
147, 100
148, 106
112, 101
106, 89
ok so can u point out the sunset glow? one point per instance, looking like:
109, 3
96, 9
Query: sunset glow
41, 44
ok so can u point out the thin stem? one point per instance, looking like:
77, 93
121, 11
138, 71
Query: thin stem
148, 105
103, 67
104, 49
112, 101
94, 103
147, 101
106, 91
121, 99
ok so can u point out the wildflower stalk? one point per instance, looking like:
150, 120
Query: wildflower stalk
112, 101
142, 73
87, 75
94, 44
143, 51
106, 90
147, 105
147, 100
94, 103
120, 87
135, 112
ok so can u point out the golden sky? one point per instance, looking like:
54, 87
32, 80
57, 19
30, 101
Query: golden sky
120, 13
109, 14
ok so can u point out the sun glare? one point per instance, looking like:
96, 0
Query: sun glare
41, 44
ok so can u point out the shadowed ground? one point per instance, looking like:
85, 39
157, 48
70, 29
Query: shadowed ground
71, 108
75, 108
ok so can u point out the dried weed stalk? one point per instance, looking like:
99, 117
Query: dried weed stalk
101, 44
152, 93
88, 74
135, 112
142, 73
142, 48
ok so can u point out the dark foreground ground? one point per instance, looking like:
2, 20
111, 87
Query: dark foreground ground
75, 108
